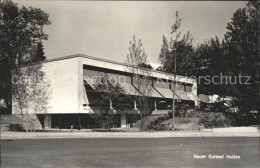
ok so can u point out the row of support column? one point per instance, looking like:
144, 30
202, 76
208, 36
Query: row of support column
135, 105
47, 121
111, 105
47, 117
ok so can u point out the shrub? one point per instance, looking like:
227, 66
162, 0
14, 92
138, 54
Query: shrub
147, 121
16, 127
210, 119
161, 127
132, 118
156, 123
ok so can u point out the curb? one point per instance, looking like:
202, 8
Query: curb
32, 135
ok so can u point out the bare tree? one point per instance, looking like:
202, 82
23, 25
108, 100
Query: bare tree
141, 76
30, 91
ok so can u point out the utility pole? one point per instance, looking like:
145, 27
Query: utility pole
175, 28
173, 99
174, 79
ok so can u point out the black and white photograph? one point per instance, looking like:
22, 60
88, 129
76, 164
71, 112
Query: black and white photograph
129, 84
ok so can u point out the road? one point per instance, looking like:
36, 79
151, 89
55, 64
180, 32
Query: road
129, 152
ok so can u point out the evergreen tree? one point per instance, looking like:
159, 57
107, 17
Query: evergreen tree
111, 98
242, 44
209, 60
182, 47
20, 31
39, 55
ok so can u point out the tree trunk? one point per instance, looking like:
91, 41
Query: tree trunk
173, 109
141, 114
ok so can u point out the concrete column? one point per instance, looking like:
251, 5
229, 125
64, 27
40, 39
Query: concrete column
111, 105
59, 118
123, 121
155, 105
47, 121
79, 121
194, 91
111, 109
135, 108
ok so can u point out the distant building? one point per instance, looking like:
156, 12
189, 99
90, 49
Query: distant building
2, 103
72, 84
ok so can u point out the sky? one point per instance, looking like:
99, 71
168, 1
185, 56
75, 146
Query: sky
104, 28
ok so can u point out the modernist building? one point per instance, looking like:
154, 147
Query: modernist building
72, 90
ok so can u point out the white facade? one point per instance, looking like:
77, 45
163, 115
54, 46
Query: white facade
63, 76
67, 91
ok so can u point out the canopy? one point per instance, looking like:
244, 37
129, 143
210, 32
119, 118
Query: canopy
130, 89
152, 93
193, 96
179, 91
85, 97
178, 87
167, 93
214, 98
89, 82
183, 95
227, 104
204, 98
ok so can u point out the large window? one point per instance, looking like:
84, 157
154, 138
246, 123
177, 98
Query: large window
119, 78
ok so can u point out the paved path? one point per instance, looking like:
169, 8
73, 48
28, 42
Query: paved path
82, 134
131, 152
235, 129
